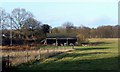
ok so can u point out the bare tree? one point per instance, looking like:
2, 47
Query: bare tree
4, 19
85, 31
55, 30
68, 26
18, 16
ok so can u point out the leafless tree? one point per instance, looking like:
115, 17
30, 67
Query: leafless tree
68, 26
4, 19
18, 16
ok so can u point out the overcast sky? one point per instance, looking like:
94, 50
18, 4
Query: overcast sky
88, 13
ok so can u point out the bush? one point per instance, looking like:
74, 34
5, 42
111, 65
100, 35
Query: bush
81, 39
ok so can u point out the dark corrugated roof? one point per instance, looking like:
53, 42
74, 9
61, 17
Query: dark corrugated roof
59, 35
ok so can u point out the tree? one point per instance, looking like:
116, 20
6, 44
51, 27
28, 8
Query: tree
55, 30
84, 31
116, 31
45, 29
18, 16
81, 38
32, 28
93, 33
4, 19
105, 31
69, 27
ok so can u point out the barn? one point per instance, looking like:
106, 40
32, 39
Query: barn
60, 39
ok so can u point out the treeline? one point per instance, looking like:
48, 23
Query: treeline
21, 24
21, 27
87, 32
83, 33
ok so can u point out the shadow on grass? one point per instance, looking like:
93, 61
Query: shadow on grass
77, 54
97, 48
97, 43
57, 65
96, 65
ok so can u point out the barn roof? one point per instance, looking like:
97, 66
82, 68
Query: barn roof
59, 35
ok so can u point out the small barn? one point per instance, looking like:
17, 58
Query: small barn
60, 39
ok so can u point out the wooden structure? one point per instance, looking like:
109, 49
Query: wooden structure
60, 39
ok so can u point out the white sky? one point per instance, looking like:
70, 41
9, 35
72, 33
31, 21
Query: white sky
91, 13
59, 0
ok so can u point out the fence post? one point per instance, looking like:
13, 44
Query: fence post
64, 49
73, 47
40, 53
5, 64
27, 56
55, 51
8, 62
47, 53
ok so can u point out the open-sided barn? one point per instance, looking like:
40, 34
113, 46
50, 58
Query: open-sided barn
60, 39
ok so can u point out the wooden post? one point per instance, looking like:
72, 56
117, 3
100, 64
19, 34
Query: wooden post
40, 53
27, 56
46, 41
56, 42
8, 61
47, 53
54, 51
11, 32
67, 42
6, 64
73, 47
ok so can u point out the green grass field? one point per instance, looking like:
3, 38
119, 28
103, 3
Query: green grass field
103, 56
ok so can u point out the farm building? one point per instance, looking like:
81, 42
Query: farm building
60, 39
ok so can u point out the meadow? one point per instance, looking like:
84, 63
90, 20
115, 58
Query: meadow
102, 56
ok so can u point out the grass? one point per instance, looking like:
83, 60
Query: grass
103, 56
53, 47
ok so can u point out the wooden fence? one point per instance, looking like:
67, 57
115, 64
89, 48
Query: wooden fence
13, 58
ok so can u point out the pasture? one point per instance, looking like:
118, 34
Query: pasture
102, 56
